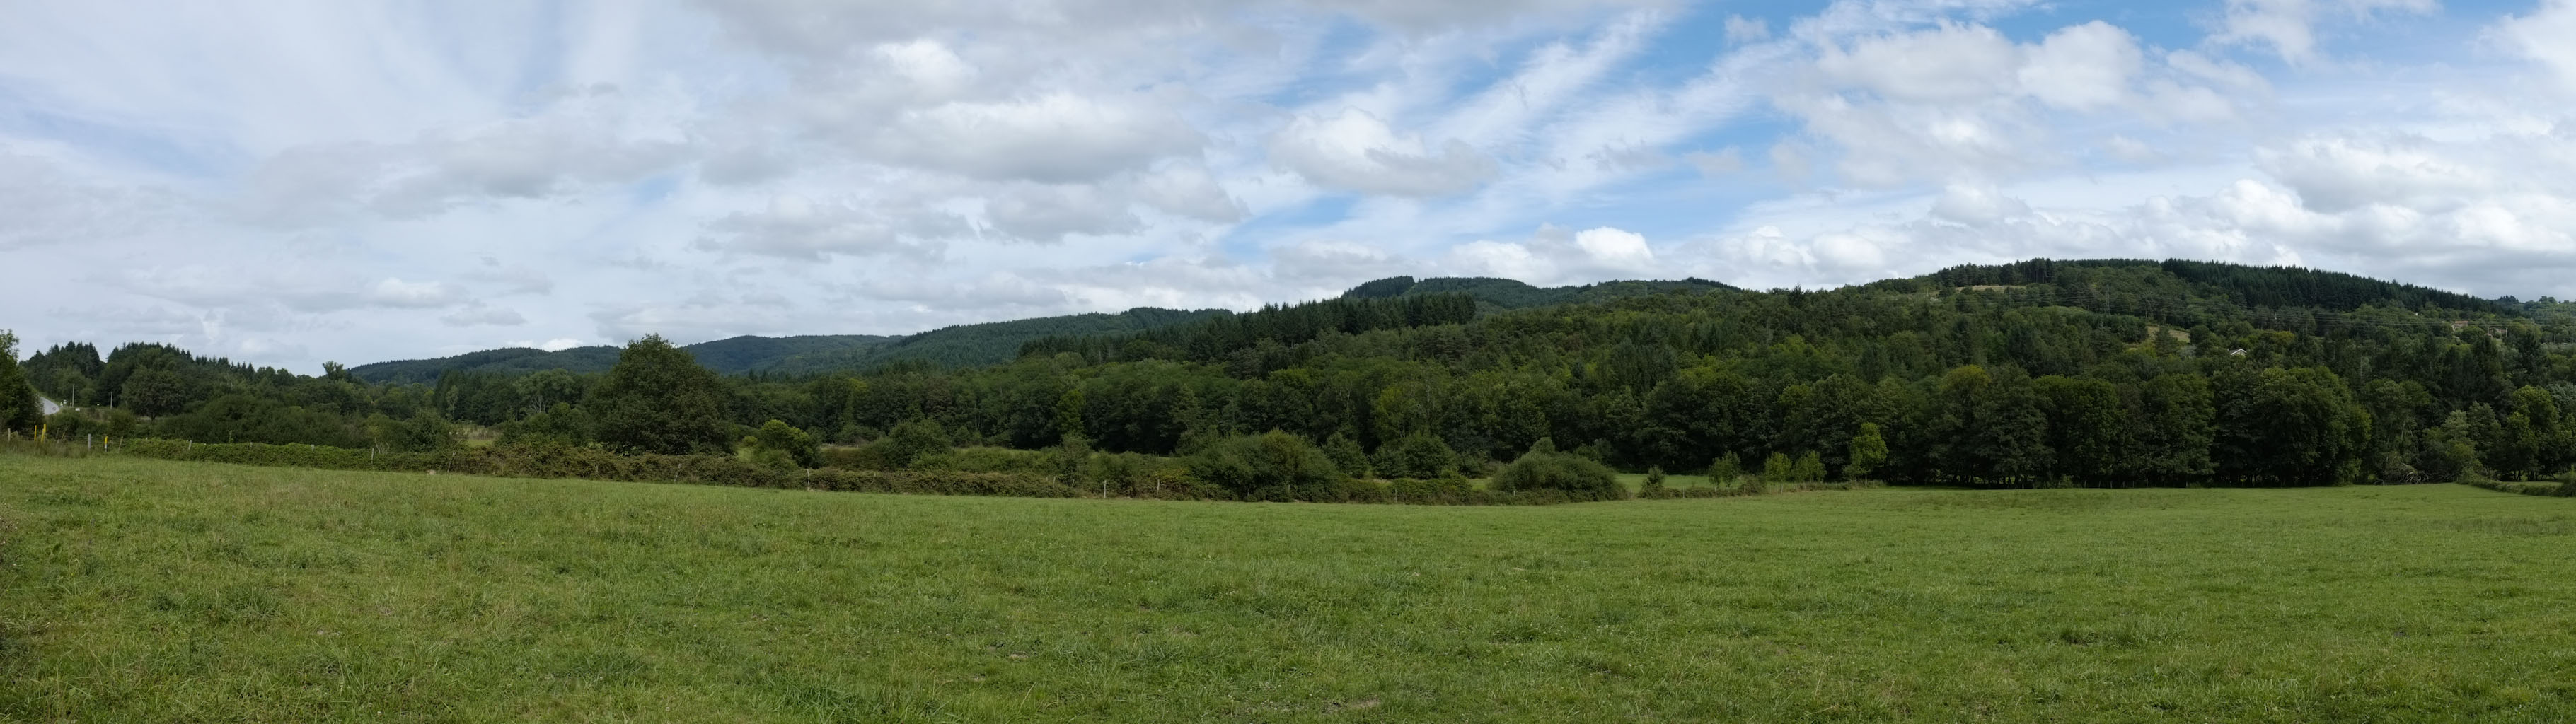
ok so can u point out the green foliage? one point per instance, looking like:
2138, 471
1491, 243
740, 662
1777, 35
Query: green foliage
912, 441
1347, 455
19, 408
1068, 457
1270, 466
1542, 468
1653, 487
658, 400
2290, 427
1809, 469
561, 424
1726, 468
245, 418
1779, 468
1868, 452
778, 443
1419, 455
424, 432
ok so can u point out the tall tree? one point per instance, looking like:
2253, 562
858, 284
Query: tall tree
657, 399
18, 407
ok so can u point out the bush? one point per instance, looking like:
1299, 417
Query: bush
561, 424
1543, 469
1725, 470
1270, 466
780, 444
977, 459
1654, 485
1779, 468
911, 441
1419, 455
1347, 456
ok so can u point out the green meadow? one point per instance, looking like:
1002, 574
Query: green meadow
140, 590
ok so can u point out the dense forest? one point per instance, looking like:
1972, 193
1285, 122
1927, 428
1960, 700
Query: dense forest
2038, 373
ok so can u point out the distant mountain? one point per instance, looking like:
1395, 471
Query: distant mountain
971, 345
730, 356
960, 346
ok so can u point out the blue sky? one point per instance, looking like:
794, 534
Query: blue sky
290, 182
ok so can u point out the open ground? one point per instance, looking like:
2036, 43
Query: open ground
140, 590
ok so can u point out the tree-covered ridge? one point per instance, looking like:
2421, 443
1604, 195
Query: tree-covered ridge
2237, 284
2093, 373
1514, 294
733, 355
969, 345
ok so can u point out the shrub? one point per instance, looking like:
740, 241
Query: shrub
1868, 452
782, 445
912, 440
1808, 469
1779, 468
1419, 455
1654, 485
1725, 470
1270, 466
1347, 455
1542, 469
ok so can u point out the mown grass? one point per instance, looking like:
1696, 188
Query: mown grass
139, 590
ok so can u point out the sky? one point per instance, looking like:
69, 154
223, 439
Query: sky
288, 182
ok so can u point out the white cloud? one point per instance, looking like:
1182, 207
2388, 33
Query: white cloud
795, 227
394, 292
804, 166
1555, 256
2083, 68
1049, 213
1055, 138
2548, 36
1354, 151
2289, 26
478, 315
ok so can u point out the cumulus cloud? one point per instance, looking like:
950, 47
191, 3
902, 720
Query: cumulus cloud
1960, 101
1355, 151
2547, 36
874, 167
1556, 256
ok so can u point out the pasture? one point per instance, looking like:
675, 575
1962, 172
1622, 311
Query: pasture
142, 590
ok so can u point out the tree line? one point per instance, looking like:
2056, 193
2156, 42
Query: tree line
2039, 373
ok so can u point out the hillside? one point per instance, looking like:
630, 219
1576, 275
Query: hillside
988, 343
734, 355
985, 343
2041, 372
1512, 294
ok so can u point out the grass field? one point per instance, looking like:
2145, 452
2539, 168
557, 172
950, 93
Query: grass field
139, 590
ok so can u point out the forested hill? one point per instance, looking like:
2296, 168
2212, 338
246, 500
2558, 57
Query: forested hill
2039, 372
971, 345
1512, 294
959, 346
736, 355
2241, 285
